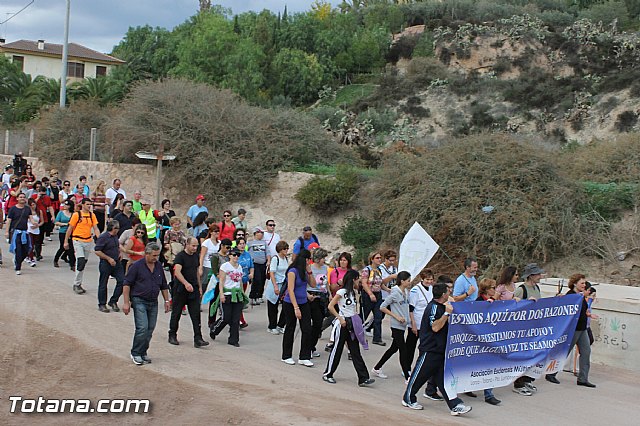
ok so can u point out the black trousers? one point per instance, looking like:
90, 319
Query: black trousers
411, 342
231, 312
318, 312
70, 254
290, 330
397, 344
342, 335
181, 299
272, 314
428, 365
259, 277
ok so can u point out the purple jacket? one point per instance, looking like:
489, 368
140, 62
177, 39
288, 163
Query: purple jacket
358, 331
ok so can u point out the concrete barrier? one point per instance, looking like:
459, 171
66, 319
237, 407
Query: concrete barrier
617, 331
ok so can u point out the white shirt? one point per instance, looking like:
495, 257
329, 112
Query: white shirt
233, 278
211, 248
111, 195
384, 273
272, 240
419, 298
346, 304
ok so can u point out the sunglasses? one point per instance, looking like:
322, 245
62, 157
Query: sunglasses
234, 254
240, 235
271, 224
226, 215
227, 247
140, 232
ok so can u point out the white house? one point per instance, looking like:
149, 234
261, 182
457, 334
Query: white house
45, 59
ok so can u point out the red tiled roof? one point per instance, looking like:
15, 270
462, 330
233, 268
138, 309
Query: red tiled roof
75, 50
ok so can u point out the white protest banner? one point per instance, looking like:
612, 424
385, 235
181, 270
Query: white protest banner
416, 250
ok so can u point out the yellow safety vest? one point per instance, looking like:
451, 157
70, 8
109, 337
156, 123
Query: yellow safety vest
149, 221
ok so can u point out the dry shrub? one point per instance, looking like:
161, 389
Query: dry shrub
605, 161
65, 134
224, 147
535, 210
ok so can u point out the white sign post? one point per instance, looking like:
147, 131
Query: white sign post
416, 250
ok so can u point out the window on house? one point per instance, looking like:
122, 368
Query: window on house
75, 69
101, 71
19, 62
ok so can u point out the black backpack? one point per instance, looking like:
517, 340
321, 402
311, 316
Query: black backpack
313, 237
525, 294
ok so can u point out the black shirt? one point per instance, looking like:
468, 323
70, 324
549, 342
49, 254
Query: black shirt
582, 318
19, 218
109, 245
189, 265
431, 341
124, 221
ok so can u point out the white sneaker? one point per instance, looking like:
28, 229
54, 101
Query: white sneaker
18, 272
272, 331
412, 405
379, 373
280, 330
305, 362
315, 354
289, 361
32, 263
460, 409
49, 239
368, 333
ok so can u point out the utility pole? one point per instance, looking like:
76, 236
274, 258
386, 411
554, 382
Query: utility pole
65, 57
159, 156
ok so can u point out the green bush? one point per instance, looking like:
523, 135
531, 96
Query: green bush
363, 234
382, 121
610, 199
329, 194
424, 46
422, 71
328, 116
626, 121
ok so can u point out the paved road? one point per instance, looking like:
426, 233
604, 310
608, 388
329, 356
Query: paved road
255, 378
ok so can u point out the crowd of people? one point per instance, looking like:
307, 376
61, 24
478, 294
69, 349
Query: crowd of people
222, 266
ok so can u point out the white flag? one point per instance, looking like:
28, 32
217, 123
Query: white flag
416, 250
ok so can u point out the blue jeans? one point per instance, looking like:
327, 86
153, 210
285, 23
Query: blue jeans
106, 270
145, 315
367, 307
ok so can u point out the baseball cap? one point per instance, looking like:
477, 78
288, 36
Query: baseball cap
306, 228
257, 229
200, 197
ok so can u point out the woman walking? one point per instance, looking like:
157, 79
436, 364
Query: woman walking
577, 285
135, 245
318, 296
232, 298
227, 227
164, 217
36, 220
100, 204
396, 305
209, 246
62, 222
296, 309
371, 296
276, 287
347, 316
506, 285
419, 297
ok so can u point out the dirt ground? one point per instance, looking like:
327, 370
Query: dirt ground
56, 344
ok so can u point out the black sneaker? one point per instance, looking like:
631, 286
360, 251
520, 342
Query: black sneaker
114, 308
103, 308
77, 289
366, 383
492, 400
200, 342
379, 343
433, 396
552, 378
173, 340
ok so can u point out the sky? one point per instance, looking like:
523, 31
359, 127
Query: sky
100, 24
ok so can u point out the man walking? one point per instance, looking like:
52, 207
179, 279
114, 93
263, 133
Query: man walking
113, 192
259, 252
195, 209
303, 242
125, 217
144, 280
83, 228
108, 250
433, 343
17, 224
186, 292
271, 237
466, 287
147, 218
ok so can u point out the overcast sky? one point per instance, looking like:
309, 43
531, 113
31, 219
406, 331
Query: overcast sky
100, 24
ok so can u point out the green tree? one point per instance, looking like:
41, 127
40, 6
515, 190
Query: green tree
298, 75
245, 65
20, 96
149, 52
369, 48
